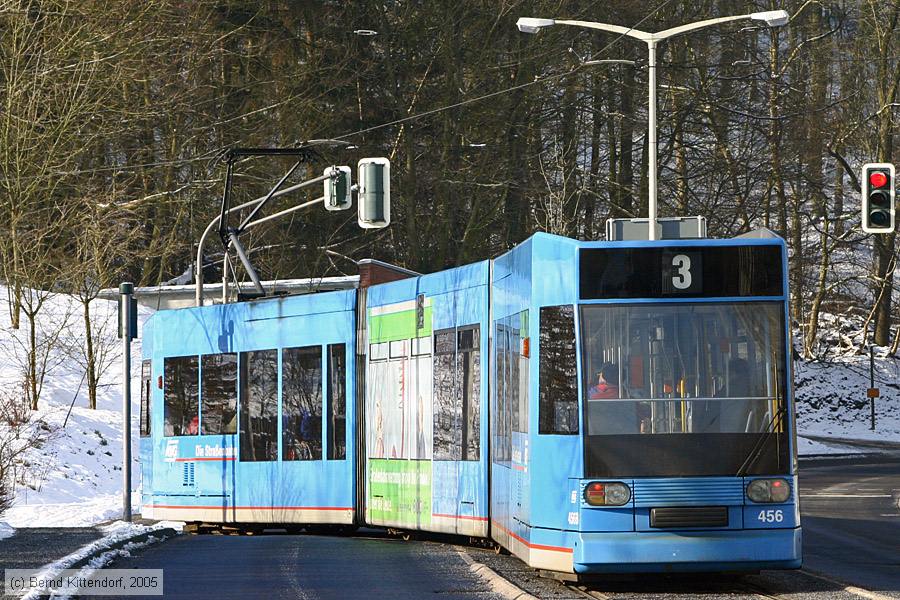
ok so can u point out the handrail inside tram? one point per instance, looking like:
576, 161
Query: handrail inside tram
700, 398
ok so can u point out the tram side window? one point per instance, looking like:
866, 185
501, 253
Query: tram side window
513, 390
501, 430
468, 369
218, 393
301, 393
337, 402
519, 348
448, 440
558, 376
457, 394
259, 405
145, 398
181, 406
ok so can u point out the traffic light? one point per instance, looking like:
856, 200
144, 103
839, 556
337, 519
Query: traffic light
374, 203
337, 188
878, 214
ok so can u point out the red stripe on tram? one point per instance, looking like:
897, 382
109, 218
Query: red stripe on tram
464, 517
529, 544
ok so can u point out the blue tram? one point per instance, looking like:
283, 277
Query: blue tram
590, 406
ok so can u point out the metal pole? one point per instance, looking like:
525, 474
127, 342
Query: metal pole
126, 290
872, 386
198, 300
246, 262
651, 141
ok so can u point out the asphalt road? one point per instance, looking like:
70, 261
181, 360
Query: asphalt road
850, 516
850, 512
308, 566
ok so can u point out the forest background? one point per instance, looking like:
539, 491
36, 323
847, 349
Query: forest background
115, 117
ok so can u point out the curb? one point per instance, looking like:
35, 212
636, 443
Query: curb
498, 584
862, 443
158, 535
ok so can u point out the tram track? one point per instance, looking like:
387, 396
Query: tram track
743, 590
758, 592
586, 592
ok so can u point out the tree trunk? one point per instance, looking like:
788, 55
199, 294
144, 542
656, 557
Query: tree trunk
812, 325
32, 360
886, 93
626, 145
89, 355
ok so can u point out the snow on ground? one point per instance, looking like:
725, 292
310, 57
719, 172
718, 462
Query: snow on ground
807, 447
75, 477
6, 531
831, 393
102, 551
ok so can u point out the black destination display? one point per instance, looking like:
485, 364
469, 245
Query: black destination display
687, 271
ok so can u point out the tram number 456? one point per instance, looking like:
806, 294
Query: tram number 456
770, 516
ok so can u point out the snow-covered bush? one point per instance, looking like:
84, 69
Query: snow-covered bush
19, 433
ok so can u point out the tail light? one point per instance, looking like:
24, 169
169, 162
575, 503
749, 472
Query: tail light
769, 490
607, 494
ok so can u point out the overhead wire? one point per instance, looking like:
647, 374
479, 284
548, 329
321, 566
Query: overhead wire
406, 119
535, 81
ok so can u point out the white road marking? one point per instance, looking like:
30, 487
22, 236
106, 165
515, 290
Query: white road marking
845, 495
850, 589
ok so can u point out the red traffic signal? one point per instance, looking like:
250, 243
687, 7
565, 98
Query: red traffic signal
878, 212
877, 179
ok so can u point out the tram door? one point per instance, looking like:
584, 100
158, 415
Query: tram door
511, 453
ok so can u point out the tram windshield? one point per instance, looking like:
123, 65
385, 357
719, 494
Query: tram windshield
684, 388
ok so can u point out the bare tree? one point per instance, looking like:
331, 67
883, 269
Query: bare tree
103, 245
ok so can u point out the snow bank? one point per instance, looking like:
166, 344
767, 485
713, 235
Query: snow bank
6, 531
102, 551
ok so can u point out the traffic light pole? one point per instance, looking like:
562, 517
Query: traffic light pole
126, 290
872, 394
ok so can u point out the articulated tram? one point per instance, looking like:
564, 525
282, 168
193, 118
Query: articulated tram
590, 406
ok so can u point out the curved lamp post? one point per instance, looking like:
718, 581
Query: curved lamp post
773, 18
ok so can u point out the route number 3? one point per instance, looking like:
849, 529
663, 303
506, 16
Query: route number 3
681, 265
770, 516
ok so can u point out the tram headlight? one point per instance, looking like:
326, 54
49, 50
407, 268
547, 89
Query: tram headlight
769, 490
599, 493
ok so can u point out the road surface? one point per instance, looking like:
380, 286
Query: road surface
850, 512
308, 566
850, 516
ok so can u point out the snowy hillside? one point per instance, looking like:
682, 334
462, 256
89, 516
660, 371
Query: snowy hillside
74, 478
831, 394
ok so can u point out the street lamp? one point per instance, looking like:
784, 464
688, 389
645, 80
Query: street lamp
772, 18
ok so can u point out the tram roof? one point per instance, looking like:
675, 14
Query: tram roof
161, 297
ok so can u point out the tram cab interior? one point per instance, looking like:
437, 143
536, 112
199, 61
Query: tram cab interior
711, 371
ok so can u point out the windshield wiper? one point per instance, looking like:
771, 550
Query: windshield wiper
757, 449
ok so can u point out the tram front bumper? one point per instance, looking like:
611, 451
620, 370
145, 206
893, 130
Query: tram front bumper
672, 552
